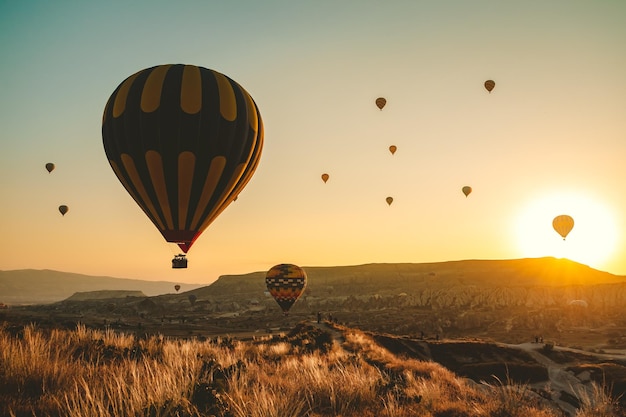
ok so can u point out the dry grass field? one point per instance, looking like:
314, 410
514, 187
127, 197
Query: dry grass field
313, 370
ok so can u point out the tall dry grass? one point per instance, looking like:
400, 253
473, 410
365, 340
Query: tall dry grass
86, 373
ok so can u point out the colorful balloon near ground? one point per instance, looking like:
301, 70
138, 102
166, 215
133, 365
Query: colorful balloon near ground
50, 167
286, 283
63, 209
563, 224
381, 102
184, 141
489, 85
467, 190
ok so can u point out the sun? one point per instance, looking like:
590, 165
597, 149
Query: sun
592, 240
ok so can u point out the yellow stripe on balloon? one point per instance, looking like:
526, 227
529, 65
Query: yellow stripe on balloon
131, 170
155, 168
215, 173
228, 102
252, 116
220, 205
186, 164
122, 94
152, 89
191, 90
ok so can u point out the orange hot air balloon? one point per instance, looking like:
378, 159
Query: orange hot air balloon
389, 200
563, 224
393, 149
63, 209
381, 102
325, 177
489, 85
286, 283
50, 167
467, 190
184, 141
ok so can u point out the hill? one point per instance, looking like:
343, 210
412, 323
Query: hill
30, 286
428, 284
512, 301
104, 295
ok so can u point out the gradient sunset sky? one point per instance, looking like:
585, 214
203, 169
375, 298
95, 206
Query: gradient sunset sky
550, 138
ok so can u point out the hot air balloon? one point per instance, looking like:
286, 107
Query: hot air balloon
286, 283
50, 167
563, 224
389, 200
177, 287
489, 85
393, 149
64, 209
380, 102
325, 177
184, 141
467, 190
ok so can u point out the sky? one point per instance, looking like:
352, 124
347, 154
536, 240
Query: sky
550, 139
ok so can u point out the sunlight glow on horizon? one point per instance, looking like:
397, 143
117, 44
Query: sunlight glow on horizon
592, 241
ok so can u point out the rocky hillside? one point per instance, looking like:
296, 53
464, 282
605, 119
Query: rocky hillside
31, 286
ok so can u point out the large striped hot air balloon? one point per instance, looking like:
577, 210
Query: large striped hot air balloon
184, 141
286, 283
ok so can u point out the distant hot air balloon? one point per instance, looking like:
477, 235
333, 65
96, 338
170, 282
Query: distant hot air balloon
286, 283
467, 190
325, 177
177, 287
393, 149
63, 209
389, 200
489, 85
563, 224
381, 102
184, 141
50, 167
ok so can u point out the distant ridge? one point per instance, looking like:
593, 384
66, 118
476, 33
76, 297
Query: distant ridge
104, 295
30, 286
394, 278
33, 286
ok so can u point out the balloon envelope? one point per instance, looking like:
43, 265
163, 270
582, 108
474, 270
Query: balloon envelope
63, 209
389, 200
467, 190
563, 224
50, 167
381, 102
325, 177
286, 283
184, 141
489, 85
177, 287
393, 149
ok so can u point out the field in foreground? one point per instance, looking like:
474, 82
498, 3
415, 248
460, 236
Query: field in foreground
313, 370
